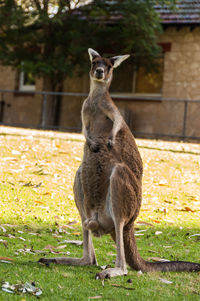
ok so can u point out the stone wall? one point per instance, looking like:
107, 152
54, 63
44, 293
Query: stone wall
181, 80
182, 64
19, 109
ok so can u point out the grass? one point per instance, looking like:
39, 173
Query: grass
37, 213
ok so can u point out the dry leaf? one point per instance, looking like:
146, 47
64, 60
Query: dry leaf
165, 281
68, 226
4, 230
9, 159
187, 209
11, 236
65, 275
95, 297
56, 235
195, 235
111, 254
38, 202
76, 233
74, 242
15, 152
156, 221
4, 242
72, 223
194, 198
22, 288
6, 258
158, 232
9, 225
61, 247
163, 183
158, 259
27, 250
47, 193
49, 247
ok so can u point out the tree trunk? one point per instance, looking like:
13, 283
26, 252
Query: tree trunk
51, 104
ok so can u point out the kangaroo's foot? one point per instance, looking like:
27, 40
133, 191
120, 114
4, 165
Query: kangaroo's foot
88, 257
112, 272
69, 261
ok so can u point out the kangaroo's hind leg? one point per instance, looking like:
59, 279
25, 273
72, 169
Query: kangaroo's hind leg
122, 208
89, 257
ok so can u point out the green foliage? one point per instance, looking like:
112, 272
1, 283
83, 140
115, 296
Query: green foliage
51, 37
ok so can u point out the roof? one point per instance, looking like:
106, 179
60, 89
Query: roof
183, 12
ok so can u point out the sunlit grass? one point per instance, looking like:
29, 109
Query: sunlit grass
36, 208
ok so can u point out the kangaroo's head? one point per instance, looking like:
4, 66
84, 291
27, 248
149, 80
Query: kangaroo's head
102, 68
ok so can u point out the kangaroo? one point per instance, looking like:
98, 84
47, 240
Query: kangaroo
108, 183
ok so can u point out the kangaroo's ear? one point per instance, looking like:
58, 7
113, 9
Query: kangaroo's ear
117, 60
92, 54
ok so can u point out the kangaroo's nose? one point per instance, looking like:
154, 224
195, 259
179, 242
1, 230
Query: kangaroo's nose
99, 73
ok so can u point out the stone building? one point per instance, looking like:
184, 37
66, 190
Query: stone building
142, 98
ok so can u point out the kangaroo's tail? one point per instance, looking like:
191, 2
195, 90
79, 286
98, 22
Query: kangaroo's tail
137, 263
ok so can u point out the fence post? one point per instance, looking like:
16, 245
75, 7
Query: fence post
44, 109
185, 118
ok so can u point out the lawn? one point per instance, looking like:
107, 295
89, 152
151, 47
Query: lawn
38, 215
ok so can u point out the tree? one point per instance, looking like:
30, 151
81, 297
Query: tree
50, 37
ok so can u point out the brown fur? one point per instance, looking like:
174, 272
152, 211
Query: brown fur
108, 184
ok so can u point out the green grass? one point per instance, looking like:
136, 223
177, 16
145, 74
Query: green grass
37, 208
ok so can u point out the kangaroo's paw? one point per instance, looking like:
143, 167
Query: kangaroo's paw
110, 143
91, 224
112, 272
94, 147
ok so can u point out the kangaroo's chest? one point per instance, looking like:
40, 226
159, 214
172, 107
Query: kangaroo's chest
99, 124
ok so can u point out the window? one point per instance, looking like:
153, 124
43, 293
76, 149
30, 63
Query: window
26, 81
128, 81
151, 82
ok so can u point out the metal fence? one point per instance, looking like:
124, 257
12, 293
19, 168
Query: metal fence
128, 117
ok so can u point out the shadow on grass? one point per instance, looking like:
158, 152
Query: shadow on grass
169, 150
63, 282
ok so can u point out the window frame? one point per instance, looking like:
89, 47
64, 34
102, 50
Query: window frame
22, 85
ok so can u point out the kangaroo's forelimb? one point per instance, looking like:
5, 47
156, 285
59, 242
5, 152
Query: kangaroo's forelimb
113, 114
